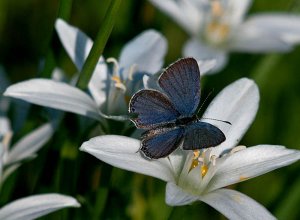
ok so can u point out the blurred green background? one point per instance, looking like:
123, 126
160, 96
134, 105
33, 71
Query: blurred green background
27, 39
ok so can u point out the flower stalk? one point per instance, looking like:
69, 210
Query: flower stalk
99, 44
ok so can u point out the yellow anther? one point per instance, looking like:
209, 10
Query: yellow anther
204, 169
196, 154
116, 79
118, 83
194, 164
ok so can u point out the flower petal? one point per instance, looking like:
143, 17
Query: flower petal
54, 95
251, 39
78, 45
175, 196
147, 51
30, 144
207, 66
194, 48
185, 13
237, 10
4, 126
251, 162
122, 152
284, 26
32, 207
238, 104
235, 205
98, 84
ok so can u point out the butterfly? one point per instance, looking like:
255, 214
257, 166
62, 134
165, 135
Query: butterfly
169, 118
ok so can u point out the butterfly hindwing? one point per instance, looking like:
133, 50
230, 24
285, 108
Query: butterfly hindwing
152, 108
181, 83
160, 142
200, 135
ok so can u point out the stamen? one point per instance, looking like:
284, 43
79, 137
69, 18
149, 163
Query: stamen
204, 169
115, 63
196, 160
132, 70
194, 164
115, 77
213, 159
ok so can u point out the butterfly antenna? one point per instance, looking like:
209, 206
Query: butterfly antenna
227, 122
199, 108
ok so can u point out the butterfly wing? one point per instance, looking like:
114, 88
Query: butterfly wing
200, 135
181, 82
160, 142
152, 108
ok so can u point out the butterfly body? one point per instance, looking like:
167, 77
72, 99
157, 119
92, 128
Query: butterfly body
170, 117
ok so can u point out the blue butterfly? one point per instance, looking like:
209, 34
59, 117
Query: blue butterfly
170, 118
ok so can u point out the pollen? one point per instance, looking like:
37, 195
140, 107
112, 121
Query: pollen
116, 79
194, 164
204, 169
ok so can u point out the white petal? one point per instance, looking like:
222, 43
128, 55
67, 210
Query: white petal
251, 39
78, 46
122, 152
194, 48
175, 196
235, 205
32, 207
237, 10
4, 125
238, 104
147, 51
76, 43
284, 26
185, 13
98, 84
30, 144
207, 66
54, 95
251, 162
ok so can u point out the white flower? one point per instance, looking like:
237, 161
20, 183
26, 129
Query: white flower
110, 89
25, 148
32, 207
214, 168
217, 27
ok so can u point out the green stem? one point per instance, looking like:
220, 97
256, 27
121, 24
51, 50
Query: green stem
99, 44
65, 8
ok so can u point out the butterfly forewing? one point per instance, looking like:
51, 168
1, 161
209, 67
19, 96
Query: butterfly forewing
200, 135
181, 83
152, 108
158, 143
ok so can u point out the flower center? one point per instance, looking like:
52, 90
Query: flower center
205, 159
217, 29
200, 159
